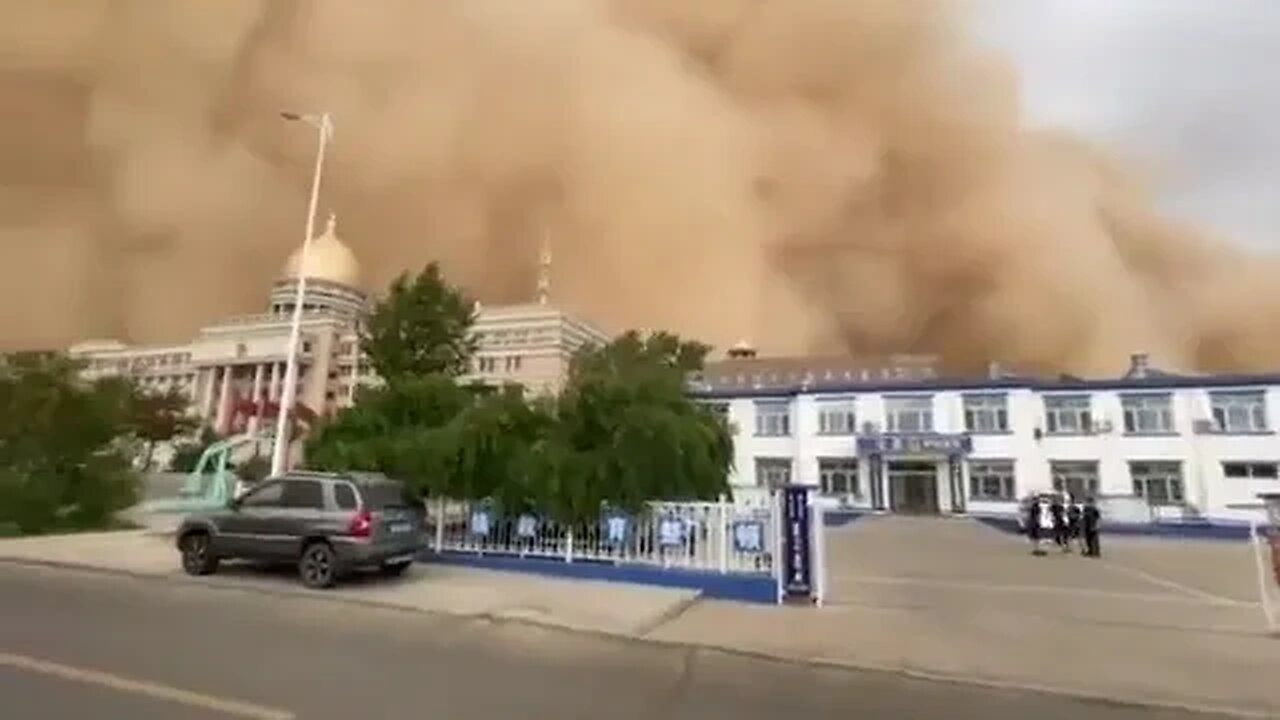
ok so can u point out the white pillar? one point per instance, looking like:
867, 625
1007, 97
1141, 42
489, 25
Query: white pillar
223, 396
273, 387
209, 377
258, 372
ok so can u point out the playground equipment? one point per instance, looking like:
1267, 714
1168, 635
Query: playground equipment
211, 485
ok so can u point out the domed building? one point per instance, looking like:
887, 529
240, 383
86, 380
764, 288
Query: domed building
234, 369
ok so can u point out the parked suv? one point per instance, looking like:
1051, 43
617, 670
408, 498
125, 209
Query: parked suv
326, 523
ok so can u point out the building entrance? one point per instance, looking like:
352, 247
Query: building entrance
913, 487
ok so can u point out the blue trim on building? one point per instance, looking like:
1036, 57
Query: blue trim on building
1151, 383
1234, 532
743, 587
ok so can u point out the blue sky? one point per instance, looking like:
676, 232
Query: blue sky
1188, 88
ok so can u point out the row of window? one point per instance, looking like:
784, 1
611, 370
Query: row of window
490, 364
994, 480
1144, 413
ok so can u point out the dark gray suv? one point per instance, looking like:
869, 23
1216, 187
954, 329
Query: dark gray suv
326, 523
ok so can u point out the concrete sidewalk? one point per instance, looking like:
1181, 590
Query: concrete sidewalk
1122, 648
577, 605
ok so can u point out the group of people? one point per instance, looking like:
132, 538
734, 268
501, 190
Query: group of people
1069, 523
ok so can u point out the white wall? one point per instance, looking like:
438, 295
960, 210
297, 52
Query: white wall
1204, 486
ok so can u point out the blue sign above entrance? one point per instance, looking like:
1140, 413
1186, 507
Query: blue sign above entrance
915, 444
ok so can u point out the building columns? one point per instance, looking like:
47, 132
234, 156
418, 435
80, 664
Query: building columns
224, 396
258, 371
210, 378
273, 387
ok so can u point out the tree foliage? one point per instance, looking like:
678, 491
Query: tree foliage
156, 417
421, 327
63, 459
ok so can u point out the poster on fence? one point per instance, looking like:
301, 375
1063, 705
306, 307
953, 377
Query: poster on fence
526, 526
615, 529
748, 536
479, 522
671, 531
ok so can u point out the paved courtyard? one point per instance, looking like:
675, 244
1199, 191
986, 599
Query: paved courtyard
954, 565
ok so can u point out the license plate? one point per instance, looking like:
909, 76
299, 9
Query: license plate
398, 528
399, 559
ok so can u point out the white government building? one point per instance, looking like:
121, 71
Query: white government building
901, 438
238, 363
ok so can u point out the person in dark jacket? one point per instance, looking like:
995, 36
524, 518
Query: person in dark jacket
1090, 522
1073, 525
1057, 515
1033, 524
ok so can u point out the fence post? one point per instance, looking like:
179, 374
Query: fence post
568, 544
724, 535
1256, 539
439, 525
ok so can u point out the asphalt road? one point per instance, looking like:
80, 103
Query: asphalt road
90, 646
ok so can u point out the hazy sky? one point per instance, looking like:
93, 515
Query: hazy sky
1189, 87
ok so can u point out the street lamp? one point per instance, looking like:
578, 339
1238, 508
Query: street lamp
324, 126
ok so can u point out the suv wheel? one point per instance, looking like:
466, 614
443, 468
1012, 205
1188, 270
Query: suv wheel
317, 566
197, 554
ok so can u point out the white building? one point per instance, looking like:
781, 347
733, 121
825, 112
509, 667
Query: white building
233, 370
902, 439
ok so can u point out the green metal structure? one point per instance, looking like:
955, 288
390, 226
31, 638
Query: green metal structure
211, 485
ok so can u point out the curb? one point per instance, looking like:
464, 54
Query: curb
644, 637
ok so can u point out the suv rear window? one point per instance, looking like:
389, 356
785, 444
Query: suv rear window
388, 494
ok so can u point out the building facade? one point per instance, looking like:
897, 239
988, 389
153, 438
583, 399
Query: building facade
234, 369
900, 438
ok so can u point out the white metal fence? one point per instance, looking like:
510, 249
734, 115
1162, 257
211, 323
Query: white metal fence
709, 536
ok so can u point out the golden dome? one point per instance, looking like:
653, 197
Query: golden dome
328, 259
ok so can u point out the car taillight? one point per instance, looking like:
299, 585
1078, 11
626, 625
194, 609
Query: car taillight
361, 525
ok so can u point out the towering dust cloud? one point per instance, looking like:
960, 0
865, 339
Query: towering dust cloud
816, 175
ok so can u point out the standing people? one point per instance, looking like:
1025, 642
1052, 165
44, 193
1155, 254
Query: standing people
1073, 525
1090, 520
1033, 524
1057, 515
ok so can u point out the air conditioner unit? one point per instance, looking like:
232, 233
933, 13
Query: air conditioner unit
1203, 426
1103, 426
870, 428
1038, 433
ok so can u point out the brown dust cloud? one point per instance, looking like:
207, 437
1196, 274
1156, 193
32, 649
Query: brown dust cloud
815, 176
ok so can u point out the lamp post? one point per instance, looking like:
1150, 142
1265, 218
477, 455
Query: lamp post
324, 126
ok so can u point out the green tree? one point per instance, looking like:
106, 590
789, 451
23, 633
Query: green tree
159, 417
633, 351
62, 460
421, 327
186, 454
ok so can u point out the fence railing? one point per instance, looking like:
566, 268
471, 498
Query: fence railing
708, 536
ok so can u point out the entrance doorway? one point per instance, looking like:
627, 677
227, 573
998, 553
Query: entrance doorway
913, 487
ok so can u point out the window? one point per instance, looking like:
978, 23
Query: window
487, 364
773, 472
720, 409
838, 476
513, 363
1251, 470
1159, 482
986, 413
992, 480
773, 418
1239, 412
1068, 414
909, 414
1077, 478
836, 417
344, 497
303, 494
1147, 413
269, 495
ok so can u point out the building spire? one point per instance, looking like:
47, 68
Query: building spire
331, 226
544, 267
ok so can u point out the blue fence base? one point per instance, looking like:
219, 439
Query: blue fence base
1173, 530
839, 517
743, 587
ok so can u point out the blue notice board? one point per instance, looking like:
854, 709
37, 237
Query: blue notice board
797, 554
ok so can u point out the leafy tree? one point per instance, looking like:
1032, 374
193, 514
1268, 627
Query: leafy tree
633, 351
62, 462
421, 327
499, 451
159, 417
